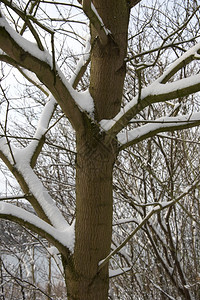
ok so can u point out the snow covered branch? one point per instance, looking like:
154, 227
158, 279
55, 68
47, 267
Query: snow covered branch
31, 185
20, 163
81, 65
29, 56
36, 144
117, 272
156, 126
60, 238
159, 91
21, 14
50, 223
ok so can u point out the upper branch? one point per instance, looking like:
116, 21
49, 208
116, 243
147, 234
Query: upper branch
29, 56
156, 126
159, 91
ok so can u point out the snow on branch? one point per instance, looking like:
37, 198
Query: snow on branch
25, 44
34, 147
61, 238
158, 91
161, 290
21, 14
22, 166
138, 134
190, 55
27, 55
31, 184
117, 272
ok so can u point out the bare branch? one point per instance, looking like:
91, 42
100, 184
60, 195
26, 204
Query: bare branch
81, 65
21, 281
156, 209
13, 197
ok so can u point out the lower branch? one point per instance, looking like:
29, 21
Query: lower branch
62, 240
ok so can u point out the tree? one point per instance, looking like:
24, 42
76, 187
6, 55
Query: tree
103, 129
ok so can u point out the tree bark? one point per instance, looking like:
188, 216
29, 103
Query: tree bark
95, 159
93, 230
108, 67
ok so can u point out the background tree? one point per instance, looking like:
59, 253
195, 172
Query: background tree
126, 99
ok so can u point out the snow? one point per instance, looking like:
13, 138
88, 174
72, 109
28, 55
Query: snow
60, 229
164, 122
84, 101
22, 164
27, 153
64, 237
160, 289
155, 89
117, 272
192, 52
2, 53
124, 221
53, 250
22, 159
158, 88
108, 124
29, 47
46, 114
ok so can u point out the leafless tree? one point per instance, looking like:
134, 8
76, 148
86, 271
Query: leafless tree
135, 79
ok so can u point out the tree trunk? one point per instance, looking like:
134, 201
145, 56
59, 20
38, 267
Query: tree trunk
108, 67
95, 159
93, 228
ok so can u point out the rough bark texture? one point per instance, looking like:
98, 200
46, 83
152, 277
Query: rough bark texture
107, 62
93, 220
95, 159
